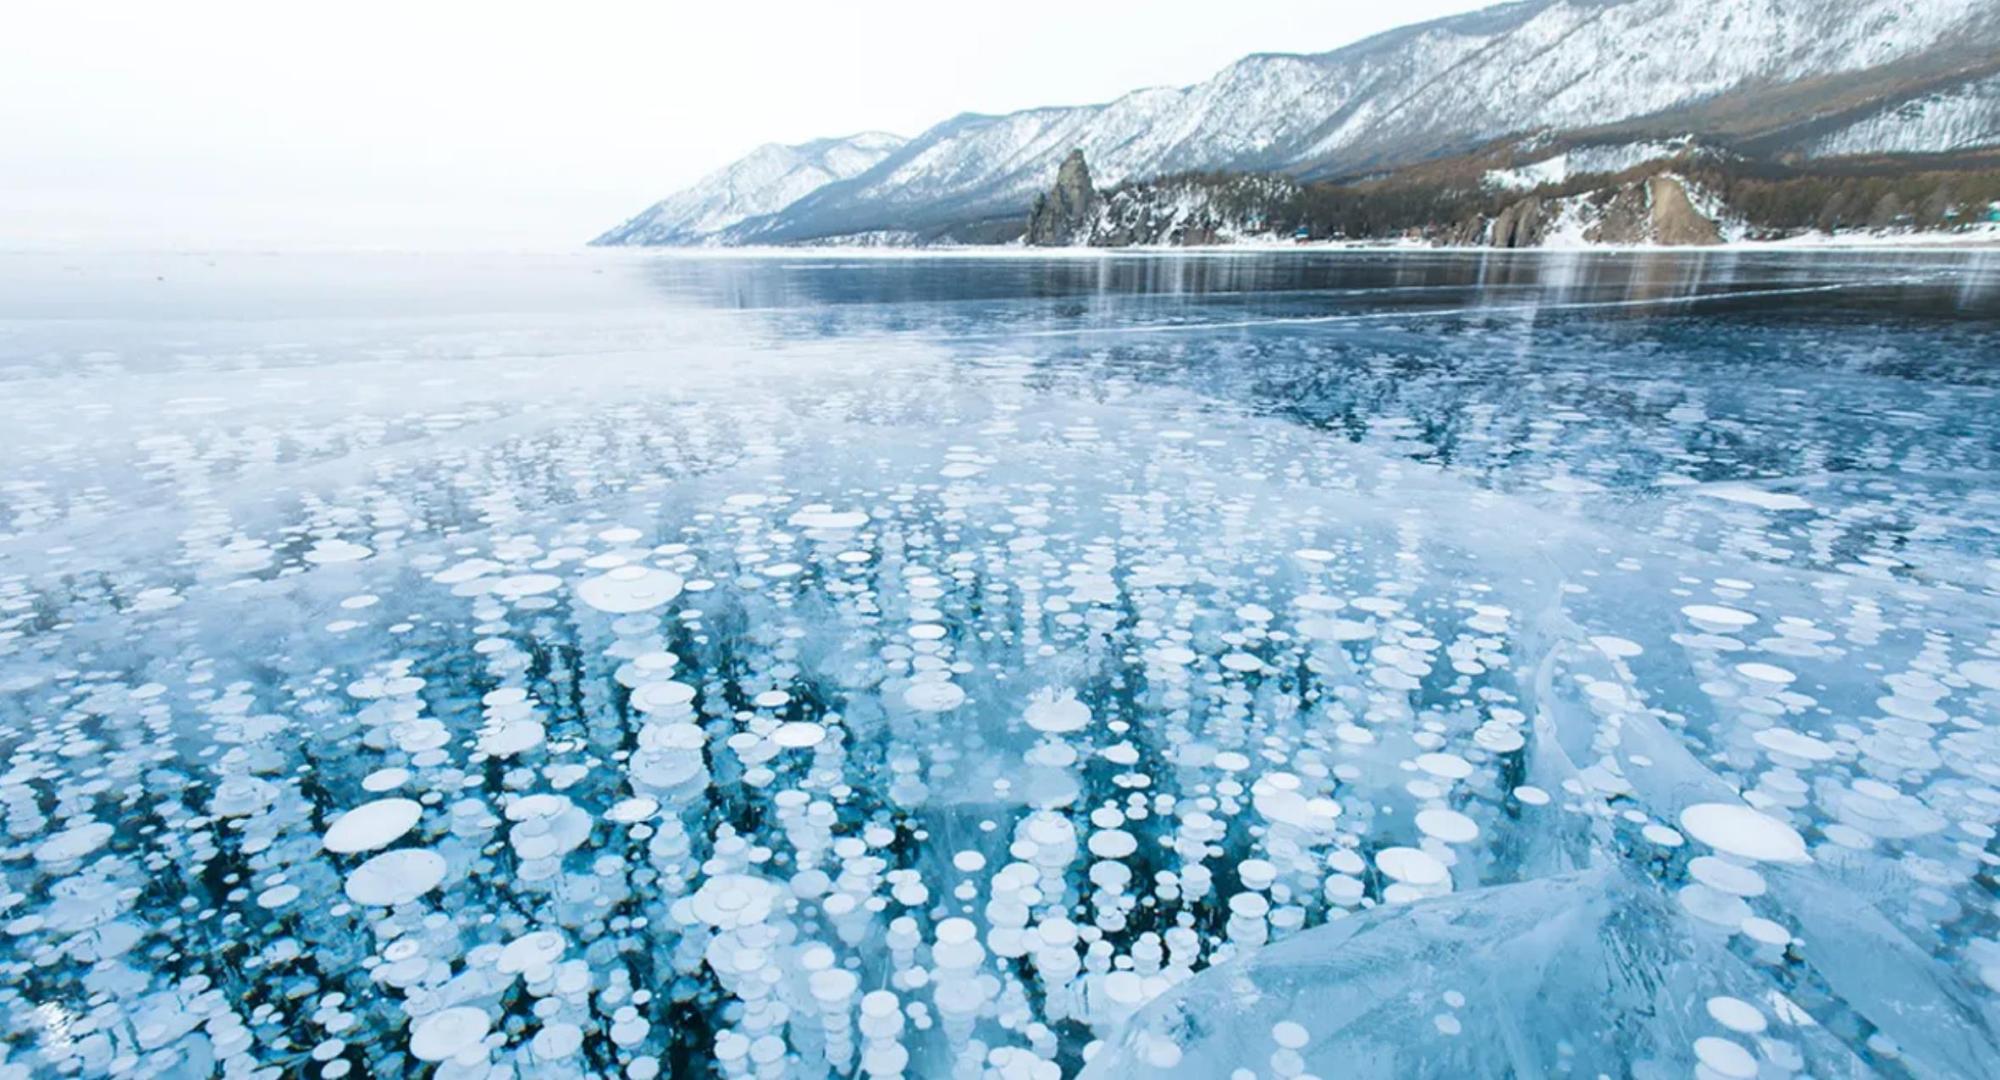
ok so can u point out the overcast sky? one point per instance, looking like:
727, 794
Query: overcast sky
221, 125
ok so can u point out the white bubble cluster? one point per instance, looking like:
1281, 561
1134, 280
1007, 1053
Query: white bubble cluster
644, 700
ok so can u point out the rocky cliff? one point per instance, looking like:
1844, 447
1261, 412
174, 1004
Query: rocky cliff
1193, 210
1065, 214
1543, 193
1654, 210
1202, 209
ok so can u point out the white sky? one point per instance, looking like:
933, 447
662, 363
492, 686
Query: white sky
233, 124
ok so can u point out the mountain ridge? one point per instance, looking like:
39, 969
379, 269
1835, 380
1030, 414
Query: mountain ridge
777, 175
1412, 93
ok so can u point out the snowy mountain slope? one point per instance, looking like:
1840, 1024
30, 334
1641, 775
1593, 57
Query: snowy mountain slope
1430, 89
769, 179
1574, 65
1961, 118
1609, 158
1184, 212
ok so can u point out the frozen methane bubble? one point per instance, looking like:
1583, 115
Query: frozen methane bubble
827, 519
522, 585
1449, 826
556, 1041
734, 900
395, 877
1727, 877
934, 695
662, 696
1794, 744
1056, 712
1412, 866
447, 1033
1737, 1014
372, 825
1445, 766
385, 779
1290, 1034
1617, 648
1726, 1057
465, 570
635, 809
1276, 795
798, 734
1656, 833
1738, 830
624, 590
74, 842
1765, 673
1984, 673
1757, 497
326, 552
530, 951
513, 737
1717, 617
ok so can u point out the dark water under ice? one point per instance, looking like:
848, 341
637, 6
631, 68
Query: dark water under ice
1252, 664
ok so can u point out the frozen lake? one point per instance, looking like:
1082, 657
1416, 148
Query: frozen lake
1314, 665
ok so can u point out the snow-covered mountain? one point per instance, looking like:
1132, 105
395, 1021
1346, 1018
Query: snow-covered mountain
1962, 117
769, 179
1403, 96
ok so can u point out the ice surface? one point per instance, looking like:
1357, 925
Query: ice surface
1512, 980
1316, 666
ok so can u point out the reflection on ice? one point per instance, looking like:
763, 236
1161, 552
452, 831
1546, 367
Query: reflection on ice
713, 667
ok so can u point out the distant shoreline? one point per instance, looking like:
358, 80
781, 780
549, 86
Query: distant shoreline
1985, 240
1810, 243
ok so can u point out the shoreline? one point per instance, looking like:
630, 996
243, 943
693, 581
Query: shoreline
1984, 239
1813, 243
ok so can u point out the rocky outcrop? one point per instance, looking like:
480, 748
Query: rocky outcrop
1188, 210
1197, 211
1655, 210
1063, 216
1524, 224
1676, 220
